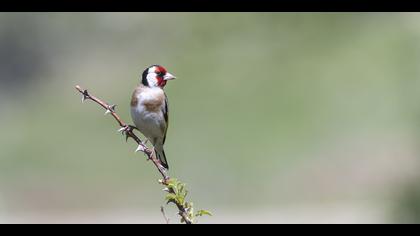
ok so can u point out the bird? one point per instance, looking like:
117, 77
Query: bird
149, 108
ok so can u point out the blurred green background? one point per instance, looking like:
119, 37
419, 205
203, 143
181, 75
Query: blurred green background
274, 117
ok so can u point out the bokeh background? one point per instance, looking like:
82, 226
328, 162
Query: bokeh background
274, 117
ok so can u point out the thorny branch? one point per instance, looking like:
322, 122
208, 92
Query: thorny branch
128, 131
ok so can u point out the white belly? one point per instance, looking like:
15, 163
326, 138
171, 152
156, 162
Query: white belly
151, 124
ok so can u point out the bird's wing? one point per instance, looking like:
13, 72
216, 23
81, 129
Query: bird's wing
165, 115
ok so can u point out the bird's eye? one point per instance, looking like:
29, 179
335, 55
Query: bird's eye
159, 73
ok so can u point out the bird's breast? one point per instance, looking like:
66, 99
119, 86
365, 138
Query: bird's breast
146, 111
148, 99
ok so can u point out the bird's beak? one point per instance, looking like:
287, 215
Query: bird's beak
168, 76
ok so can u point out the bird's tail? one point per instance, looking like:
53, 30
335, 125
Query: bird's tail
160, 153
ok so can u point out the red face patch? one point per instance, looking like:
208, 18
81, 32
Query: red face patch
160, 72
161, 82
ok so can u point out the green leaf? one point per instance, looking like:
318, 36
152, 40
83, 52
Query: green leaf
188, 205
181, 188
180, 200
203, 212
178, 194
174, 189
170, 197
175, 186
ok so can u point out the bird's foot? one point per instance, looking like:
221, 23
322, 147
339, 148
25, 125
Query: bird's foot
150, 152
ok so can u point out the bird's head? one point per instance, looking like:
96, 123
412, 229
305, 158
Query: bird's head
156, 76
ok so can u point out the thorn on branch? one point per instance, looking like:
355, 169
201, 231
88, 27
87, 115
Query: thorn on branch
140, 148
85, 95
122, 129
110, 109
127, 130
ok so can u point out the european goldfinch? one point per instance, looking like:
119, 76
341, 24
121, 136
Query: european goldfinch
149, 108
